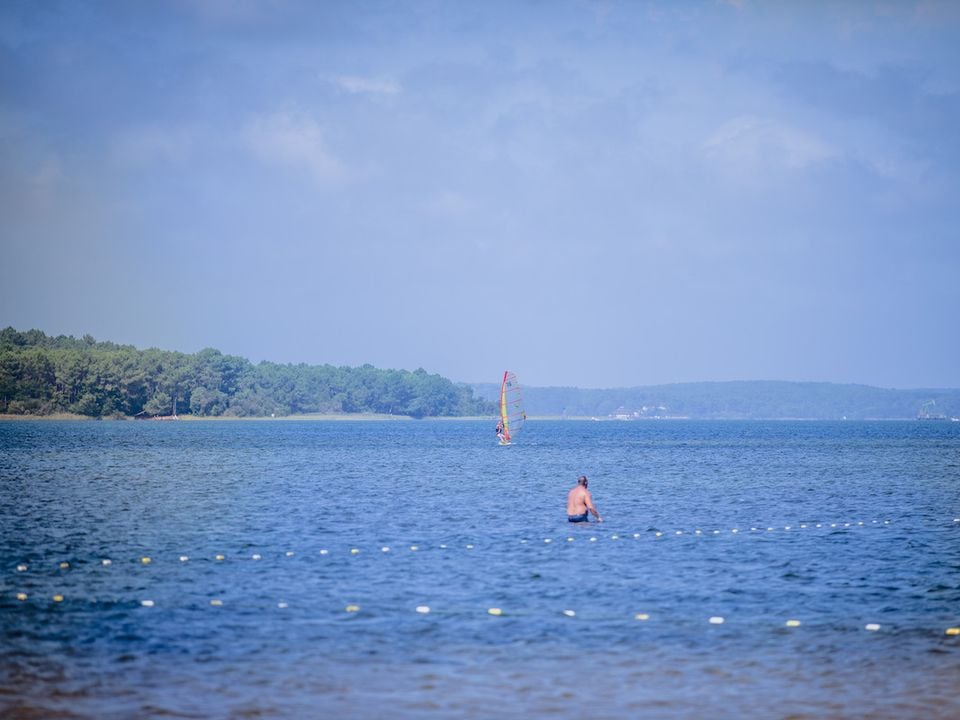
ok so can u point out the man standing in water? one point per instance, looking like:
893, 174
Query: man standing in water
580, 503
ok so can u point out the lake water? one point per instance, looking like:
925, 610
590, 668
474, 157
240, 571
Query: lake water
261, 535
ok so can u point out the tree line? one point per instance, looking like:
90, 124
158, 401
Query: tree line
43, 375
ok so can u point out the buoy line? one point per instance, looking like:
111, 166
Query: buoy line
355, 609
146, 561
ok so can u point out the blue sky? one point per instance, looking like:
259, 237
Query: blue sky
597, 194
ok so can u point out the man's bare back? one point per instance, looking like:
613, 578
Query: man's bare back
580, 503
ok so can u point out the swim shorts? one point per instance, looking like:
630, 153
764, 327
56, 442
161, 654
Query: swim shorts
578, 518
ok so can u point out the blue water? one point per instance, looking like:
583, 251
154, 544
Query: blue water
874, 538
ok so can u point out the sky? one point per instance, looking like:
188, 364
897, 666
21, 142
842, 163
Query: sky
592, 194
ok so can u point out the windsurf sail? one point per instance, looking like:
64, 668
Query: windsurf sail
512, 411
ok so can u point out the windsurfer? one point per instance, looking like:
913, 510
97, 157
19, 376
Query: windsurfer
580, 503
500, 436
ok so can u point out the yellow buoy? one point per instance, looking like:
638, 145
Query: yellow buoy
216, 603
413, 548
58, 598
218, 557
641, 616
354, 551
352, 608
21, 596
793, 623
145, 561
953, 631
495, 611
64, 565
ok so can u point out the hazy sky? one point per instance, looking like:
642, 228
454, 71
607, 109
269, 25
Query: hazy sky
588, 193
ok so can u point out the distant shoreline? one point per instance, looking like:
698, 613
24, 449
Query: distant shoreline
371, 417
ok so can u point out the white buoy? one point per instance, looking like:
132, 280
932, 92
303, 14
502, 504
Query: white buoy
593, 539
872, 627
147, 603
282, 605
423, 609
569, 613
255, 556
385, 549
289, 553
184, 558
716, 620
414, 548
324, 552
22, 568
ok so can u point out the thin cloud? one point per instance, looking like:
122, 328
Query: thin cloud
147, 145
749, 145
293, 140
356, 85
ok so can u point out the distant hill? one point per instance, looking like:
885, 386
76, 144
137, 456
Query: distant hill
748, 400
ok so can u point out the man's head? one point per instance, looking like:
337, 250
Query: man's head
582, 481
